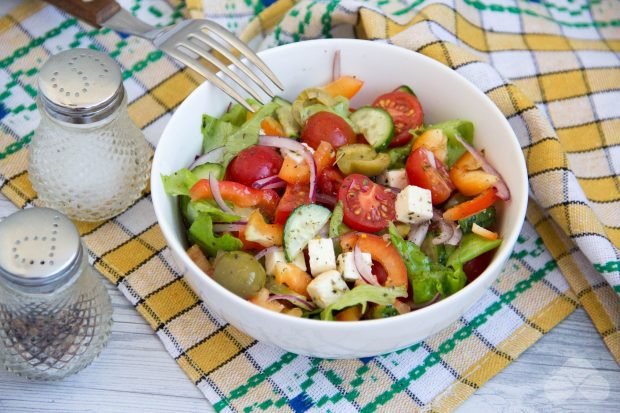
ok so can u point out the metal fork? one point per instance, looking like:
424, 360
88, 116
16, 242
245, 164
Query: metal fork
187, 42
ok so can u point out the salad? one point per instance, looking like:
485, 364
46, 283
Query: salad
315, 209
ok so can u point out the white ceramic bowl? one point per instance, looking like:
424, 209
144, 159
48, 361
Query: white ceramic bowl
444, 95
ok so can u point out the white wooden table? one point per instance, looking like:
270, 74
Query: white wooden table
135, 373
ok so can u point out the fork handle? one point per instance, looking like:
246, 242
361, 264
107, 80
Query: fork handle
93, 12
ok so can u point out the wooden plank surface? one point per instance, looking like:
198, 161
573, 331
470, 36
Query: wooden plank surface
569, 369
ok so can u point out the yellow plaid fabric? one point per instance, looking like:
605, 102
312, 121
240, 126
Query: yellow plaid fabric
562, 101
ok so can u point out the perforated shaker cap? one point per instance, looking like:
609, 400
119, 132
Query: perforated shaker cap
80, 86
38, 246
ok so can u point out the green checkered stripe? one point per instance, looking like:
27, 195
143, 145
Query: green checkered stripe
235, 372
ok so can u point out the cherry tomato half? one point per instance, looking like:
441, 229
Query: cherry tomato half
327, 126
406, 112
329, 180
253, 163
294, 196
368, 207
421, 172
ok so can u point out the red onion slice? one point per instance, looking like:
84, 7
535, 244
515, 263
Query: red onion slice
456, 237
265, 251
215, 155
217, 196
326, 199
292, 145
363, 268
418, 232
336, 66
299, 302
446, 231
430, 156
234, 227
426, 304
502, 189
275, 185
260, 183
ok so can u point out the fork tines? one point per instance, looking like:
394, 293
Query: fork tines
200, 38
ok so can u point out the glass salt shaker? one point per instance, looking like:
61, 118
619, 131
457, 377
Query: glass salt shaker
87, 158
55, 314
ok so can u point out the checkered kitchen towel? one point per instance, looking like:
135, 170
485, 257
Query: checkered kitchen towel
562, 101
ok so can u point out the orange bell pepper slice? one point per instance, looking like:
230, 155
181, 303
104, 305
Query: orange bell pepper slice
259, 231
350, 314
271, 127
239, 194
381, 251
299, 173
471, 207
346, 86
293, 277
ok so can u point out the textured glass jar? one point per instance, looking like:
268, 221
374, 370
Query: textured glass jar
55, 314
87, 158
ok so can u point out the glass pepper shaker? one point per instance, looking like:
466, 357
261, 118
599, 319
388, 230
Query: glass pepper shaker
87, 158
55, 314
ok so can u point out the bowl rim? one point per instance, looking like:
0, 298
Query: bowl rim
498, 259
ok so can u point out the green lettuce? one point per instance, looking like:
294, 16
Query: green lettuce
236, 115
336, 226
215, 212
428, 278
398, 156
179, 183
220, 133
363, 294
462, 128
201, 233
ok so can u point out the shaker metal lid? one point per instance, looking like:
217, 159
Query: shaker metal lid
80, 86
38, 246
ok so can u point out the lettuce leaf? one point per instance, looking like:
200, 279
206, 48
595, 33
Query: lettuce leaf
362, 294
216, 214
463, 128
179, 183
201, 233
220, 133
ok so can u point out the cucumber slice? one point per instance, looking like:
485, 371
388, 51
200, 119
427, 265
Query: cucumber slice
406, 89
375, 124
203, 171
302, 225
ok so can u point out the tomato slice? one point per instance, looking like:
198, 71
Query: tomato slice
294, 196
381, 251
406, 112
421, 172
368, 207
329, 181
239, 194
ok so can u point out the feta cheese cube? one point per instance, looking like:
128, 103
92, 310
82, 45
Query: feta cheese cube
346, 265
321, 255
396, 178
272, 258
327, 288
413, 205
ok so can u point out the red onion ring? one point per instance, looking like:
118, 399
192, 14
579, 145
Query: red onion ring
430, 156
418, 232
265, 251
363, 268
336, 65
446, 232
299, 302
292, 145
214, 155
260, 183
217, 196
502, 189
233, 227
426, 304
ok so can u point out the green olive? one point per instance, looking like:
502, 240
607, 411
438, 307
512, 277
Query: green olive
362, 159
240, 273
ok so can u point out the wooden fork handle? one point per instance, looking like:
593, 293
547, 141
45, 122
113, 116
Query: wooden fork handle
93, 12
